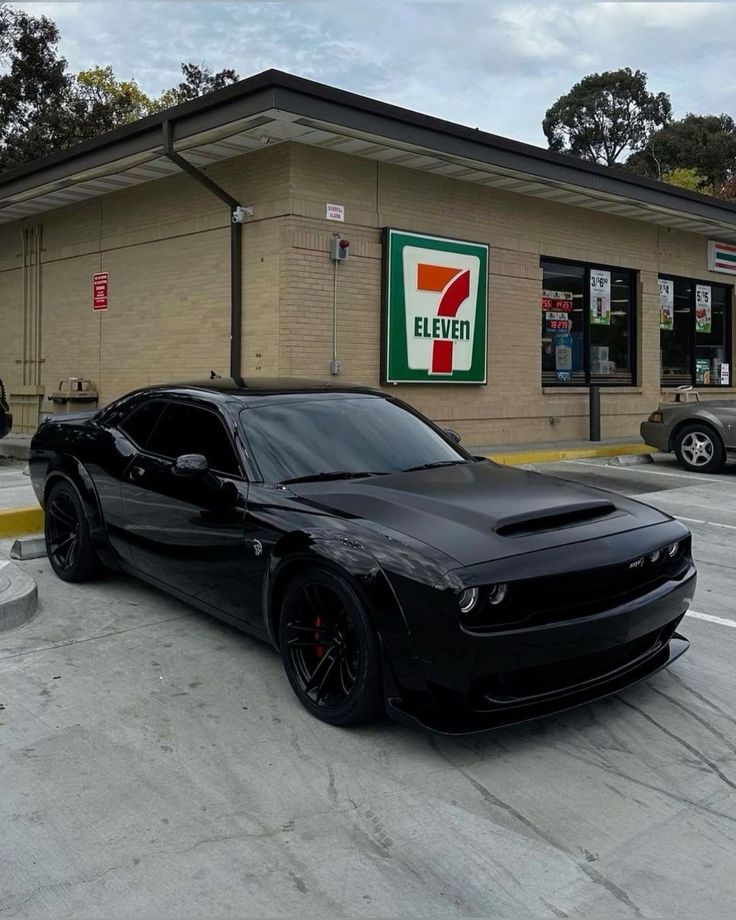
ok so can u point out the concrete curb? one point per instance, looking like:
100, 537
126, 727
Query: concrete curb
15, 448
553, 455
18, 596
17, 521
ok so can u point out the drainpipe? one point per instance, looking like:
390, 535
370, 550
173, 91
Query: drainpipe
237, 213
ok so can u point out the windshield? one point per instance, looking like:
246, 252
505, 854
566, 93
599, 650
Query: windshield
351, 434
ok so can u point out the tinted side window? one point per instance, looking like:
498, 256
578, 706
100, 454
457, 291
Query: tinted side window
185, 429
142, 420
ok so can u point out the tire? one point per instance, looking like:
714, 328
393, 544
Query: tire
699, 448
330, 651
68, 541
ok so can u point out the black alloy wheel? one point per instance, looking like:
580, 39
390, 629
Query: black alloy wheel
329, 649
68, 542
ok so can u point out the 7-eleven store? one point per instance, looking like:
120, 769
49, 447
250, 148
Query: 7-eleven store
488, 282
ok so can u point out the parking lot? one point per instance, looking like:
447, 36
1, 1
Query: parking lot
150, 755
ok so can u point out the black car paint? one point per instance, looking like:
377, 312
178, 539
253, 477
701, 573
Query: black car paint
6, 418
409, 541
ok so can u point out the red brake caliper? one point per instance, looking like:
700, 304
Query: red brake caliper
320, 648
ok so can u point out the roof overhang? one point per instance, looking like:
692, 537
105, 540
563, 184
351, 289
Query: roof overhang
274, 107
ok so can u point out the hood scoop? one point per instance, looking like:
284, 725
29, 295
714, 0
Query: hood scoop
522, 525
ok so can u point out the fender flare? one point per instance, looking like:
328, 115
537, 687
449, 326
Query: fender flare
67, 468
346, 557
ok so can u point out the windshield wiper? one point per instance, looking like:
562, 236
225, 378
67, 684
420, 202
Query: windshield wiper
432, 466
325, 477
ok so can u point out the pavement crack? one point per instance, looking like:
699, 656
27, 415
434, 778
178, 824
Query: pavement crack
593, 874
76, 884
116, 632
703, 699
704, 722
686, 744
331, 790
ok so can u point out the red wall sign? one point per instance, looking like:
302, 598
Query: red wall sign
99, 291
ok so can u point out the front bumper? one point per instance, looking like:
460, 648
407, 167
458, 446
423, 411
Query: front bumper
478, 683
6, 423
655, 434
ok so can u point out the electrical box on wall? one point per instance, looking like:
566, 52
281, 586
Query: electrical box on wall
339, 249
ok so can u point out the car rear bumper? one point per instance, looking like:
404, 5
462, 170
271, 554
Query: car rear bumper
655, 434
6, 423
485, 682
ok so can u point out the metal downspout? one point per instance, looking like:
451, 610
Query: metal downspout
236, 247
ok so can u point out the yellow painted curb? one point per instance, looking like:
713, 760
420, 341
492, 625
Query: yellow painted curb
17, 521
551, 455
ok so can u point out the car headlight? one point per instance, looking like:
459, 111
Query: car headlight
656, 416
497, 594
468, 599
673, 549
656, 556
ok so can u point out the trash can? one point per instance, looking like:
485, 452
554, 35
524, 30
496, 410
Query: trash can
73, 394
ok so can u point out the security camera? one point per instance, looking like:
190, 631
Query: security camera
241, 214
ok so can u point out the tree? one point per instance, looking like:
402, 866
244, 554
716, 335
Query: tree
605, 115
33, 87
43, 108
685, 177
704, 143
109, 101
199, 79
97, 101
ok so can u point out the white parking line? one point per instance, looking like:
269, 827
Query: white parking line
710, 523
641, 468
721, 621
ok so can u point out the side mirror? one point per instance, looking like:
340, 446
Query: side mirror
452, 435
189, 465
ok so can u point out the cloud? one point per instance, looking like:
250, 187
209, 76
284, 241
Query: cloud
497, 65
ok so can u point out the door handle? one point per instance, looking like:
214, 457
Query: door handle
137, 472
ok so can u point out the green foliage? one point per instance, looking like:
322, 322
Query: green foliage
112, 100
705, 143
605, 115
43, 108
33, 86
198, 80
685, 177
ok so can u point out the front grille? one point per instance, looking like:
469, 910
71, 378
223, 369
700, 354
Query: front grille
526, 685
557, 598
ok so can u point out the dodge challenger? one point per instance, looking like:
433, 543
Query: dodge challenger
390, 568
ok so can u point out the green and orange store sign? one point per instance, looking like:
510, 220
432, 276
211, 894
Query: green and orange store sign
435, 309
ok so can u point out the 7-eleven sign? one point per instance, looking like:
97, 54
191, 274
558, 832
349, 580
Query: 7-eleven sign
435, 309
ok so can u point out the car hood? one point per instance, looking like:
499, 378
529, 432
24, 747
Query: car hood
481, 511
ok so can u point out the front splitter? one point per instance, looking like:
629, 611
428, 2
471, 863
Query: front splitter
465, 722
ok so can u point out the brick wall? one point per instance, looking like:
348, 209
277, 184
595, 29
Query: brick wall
166, 246
513, 407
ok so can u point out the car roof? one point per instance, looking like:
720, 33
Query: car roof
249, 390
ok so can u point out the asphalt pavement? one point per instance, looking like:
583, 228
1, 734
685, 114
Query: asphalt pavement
154, 762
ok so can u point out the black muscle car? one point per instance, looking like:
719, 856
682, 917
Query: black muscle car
389, 567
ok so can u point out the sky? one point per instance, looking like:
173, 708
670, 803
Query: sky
494, 65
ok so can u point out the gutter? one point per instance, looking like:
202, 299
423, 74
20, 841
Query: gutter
236, 243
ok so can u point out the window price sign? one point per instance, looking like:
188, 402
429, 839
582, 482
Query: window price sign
703, 309
557, 322
557, 301
600, 297
666, 304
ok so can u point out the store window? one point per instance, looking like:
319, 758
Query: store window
588, 318
695, 332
